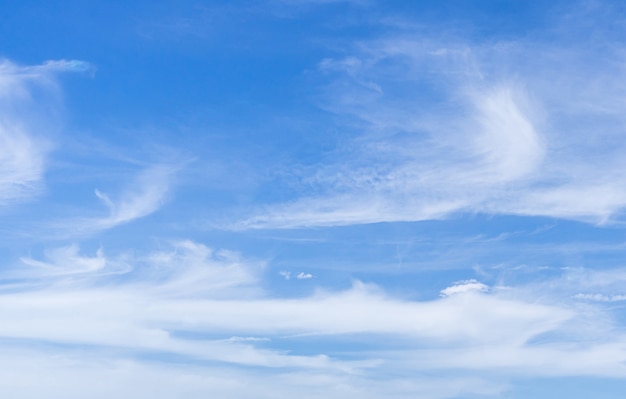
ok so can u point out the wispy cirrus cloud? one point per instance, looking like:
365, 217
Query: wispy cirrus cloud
27, 93
67, 261
142, 195
440, 127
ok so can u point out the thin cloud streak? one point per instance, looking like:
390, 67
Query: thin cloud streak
142, 196
71, 376
146, 196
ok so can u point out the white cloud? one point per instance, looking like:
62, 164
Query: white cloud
597, 359
194, 289
508, 142
194, 270
143, 195
463, 287
504, 128
27, 96
102, 376
601, 297
21, 162
470, 330
200, 304
64, 261
92, 324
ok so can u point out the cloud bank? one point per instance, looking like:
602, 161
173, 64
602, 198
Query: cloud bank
194, 303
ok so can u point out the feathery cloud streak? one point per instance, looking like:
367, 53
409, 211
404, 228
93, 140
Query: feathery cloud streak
26, 94
446, 127
142, 195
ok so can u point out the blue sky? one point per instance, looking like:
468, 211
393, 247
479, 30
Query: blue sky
278, 199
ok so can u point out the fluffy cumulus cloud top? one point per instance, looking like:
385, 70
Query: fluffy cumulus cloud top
313, 199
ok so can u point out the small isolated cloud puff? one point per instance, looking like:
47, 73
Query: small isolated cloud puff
300, 276
463, 287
